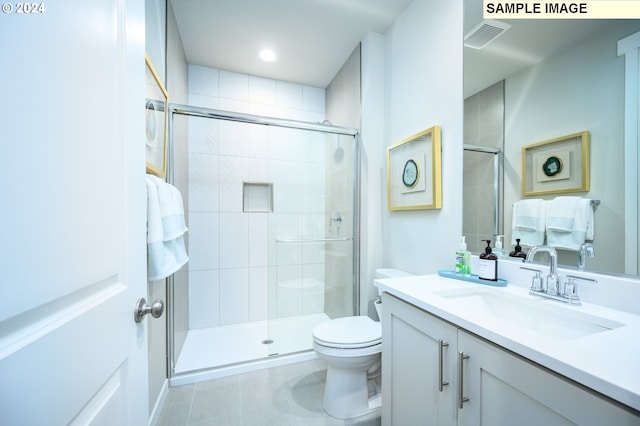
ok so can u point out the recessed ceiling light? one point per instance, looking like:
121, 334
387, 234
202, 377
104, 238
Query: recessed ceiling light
267, 55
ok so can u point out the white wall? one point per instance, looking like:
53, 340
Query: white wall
343, 105
423, 88
372, 166
156, 35
544, 103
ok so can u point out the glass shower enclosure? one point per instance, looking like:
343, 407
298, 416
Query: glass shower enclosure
273, 230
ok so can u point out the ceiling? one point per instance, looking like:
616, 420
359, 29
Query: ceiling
526, 43
313, 38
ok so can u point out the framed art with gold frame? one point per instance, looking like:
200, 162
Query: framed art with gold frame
414, 176
156, 111
556, 166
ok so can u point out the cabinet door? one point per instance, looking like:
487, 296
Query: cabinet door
505, 389
412, 392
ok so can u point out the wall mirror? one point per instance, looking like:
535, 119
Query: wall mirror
544, 79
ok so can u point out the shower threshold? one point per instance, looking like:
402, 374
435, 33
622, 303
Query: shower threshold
217, 347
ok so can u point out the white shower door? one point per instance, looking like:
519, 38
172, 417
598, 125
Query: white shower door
73, 213
313, 243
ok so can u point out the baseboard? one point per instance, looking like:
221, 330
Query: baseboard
157, 408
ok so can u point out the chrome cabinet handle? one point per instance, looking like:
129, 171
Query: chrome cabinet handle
156, 309
461, 398
441, 383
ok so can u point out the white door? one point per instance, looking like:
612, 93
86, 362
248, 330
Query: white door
72, 213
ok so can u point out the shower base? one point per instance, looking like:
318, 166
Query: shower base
214, 352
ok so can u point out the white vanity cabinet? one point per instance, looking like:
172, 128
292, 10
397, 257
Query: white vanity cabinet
418, 366
498, 387
414, 347
506, 389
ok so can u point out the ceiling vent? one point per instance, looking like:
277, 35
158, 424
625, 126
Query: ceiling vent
484, 33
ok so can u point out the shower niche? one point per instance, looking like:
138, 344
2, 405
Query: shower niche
257, 197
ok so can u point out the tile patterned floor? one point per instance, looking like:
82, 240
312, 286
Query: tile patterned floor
281, 396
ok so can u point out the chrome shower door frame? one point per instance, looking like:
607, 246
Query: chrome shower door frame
193, 111
497, 194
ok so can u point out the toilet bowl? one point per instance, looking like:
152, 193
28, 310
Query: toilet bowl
351, 347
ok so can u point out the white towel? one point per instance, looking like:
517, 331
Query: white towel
165, 258
154, 220
569, 222
528, 223
171, 210
561, 213
166, 226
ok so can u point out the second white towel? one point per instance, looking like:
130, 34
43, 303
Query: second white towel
569, 222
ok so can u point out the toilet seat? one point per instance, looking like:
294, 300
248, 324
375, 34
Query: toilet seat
348, 333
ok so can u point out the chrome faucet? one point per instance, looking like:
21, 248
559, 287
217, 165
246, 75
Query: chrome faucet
586, 250
553, 282
552, 290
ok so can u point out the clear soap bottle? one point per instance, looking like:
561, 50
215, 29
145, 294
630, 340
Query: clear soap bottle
498, 249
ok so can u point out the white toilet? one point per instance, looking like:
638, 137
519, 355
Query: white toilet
351, 347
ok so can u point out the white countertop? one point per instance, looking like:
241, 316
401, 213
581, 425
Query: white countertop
607, 362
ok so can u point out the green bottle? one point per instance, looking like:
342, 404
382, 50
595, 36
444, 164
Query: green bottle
463, 259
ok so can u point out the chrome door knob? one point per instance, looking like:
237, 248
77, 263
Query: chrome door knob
156, 309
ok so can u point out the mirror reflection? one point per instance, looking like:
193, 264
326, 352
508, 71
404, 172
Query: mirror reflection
540, 80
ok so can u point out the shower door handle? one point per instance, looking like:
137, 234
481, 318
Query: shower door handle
156, 309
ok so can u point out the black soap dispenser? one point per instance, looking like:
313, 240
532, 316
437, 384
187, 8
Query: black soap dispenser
488, 264
517, 252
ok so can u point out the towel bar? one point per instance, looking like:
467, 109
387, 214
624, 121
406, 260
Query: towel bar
319, 240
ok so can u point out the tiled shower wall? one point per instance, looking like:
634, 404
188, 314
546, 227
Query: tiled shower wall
236, 264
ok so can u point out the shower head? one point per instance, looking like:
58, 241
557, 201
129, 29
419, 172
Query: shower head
338, 154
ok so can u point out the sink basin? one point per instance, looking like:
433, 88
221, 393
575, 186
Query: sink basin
506, 310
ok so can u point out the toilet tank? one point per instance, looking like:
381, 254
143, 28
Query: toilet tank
386, 273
